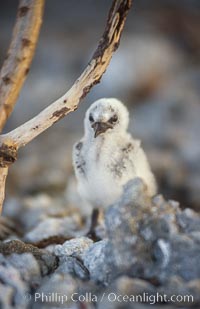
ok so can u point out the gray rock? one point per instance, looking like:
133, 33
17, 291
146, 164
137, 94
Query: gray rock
123, 222
99, 262
70, 256
185, 254
74, 247
74, 266
27, 266
52, 227
12, 284
151, 239
189, 221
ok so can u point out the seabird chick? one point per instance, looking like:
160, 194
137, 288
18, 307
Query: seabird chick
107, 156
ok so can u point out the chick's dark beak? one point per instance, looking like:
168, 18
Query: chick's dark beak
101, 127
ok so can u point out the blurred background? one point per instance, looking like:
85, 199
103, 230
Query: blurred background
155, 72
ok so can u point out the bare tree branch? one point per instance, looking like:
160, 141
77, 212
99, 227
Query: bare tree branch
20, 54
12, 141
16, 66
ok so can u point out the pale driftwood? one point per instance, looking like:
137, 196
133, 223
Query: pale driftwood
20, 54
12, 141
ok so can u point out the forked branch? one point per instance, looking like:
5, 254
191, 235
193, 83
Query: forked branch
12, 141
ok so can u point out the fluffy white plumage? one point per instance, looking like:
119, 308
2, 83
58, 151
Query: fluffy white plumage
107, 157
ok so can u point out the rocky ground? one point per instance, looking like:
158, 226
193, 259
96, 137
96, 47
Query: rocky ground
147, 248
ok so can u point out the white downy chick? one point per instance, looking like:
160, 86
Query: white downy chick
107, 156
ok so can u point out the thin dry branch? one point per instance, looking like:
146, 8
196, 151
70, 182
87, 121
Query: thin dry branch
20, 54
12, 141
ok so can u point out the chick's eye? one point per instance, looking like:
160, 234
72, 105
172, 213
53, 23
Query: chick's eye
91, 118
113, 119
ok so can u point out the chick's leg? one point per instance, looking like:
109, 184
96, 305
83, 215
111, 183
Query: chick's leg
94, 222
